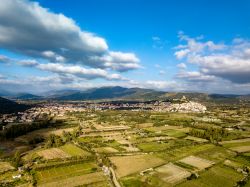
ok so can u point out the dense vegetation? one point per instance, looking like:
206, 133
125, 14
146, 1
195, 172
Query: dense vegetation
8, 106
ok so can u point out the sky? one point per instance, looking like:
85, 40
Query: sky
169, 45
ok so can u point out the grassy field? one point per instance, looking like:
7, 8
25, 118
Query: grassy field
53, 153
171, 173
5, 166
155, 146
197, 162
64, 172
218, 176
106, 150
92, 179
131, 181
73, 150
201, 140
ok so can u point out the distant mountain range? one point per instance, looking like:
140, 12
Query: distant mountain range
8, 106
25, 96
110, 93
121, 93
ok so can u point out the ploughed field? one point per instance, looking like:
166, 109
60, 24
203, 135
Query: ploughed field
133, 148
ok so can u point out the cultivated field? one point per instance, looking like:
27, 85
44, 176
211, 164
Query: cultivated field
197, 162
218, 176
144, 148
60, 173
53, 153
73, 150
5, 166
172, 174
126, 165
196, 139
96, 179
241, 149
106, 150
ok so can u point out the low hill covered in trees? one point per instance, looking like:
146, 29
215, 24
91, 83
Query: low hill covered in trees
8, 106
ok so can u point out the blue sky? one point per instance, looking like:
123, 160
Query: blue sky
181, 45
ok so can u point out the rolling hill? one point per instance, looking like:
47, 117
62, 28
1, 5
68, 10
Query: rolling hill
8, 106
110, 93
25, 96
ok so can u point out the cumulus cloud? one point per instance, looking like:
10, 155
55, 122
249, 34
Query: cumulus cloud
194, 46
30, 29
195, 76
78, 71
4, 59
182, 66
230, 62
28, 62
162, 85
118, 61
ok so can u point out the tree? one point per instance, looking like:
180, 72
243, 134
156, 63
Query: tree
16, 161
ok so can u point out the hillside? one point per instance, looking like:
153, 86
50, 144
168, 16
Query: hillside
140, 94
8, 106
110, 93
25, 96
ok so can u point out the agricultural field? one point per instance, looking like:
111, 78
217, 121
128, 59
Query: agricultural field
70, 175
172, 174
197, 162
73, 150
53, 153
126, 165
216, 176
5, 166
142, 148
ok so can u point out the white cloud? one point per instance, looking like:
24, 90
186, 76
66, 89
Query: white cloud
194, 46
28, 62
78, 71
230, 62
32, 30
53, 56
182, 66
118, 61
162, 85
181, 53
162, 72
4, 59
195, 76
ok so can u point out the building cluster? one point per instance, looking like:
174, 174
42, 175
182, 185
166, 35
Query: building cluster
60, 109
39, 112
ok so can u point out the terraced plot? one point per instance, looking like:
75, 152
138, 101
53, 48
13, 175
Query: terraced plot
197, 162
53, 153
241, 149
201, 140
126, 165
218, 176
73, 150
172, 174
106, 150
87, 179
235, 141
56, 174
240, 146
